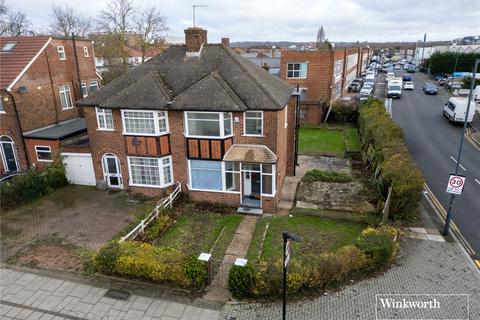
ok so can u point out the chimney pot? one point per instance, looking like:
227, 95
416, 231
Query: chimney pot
226, 42
194, 39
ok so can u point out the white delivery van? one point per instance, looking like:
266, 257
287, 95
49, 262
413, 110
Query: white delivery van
476, 94
455, 110
394, 88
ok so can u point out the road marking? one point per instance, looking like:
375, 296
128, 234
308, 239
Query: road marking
477, 181
469, 138
438, 208
459, 164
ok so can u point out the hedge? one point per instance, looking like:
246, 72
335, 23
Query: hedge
444, 62
142, 260
326, 176
372, 251
344, 111
31, 185
397, 167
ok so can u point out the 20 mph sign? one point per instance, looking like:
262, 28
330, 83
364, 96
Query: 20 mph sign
455, 184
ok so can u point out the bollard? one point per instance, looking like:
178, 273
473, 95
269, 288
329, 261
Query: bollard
207, 257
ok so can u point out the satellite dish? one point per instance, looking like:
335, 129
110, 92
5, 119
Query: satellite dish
22, 89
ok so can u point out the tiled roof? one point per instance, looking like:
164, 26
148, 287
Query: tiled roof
13, 62
250, 153
237, 79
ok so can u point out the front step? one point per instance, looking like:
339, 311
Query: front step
250, 211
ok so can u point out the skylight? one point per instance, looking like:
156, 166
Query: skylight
9, 46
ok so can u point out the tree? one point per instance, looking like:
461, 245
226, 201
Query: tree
13, 23
116, 20
66, 21
150, 24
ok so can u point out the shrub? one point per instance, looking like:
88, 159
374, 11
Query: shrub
31, 185
157, 227
106, 258
379, 245
326, 176
241, 281
397, 168
196, 271
343, 111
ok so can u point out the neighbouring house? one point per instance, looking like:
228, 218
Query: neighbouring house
40, 79
321, 76
197, 114
266, 59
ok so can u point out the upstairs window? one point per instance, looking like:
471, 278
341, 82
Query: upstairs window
208, 124
253, 123
85, 52
61, 53
338, 66
65, 97
104, 119
145, 122
93, 86
84, 89
296, 70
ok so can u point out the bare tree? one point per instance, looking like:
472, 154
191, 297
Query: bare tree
150, 24
116, 20
13, 23
66, 21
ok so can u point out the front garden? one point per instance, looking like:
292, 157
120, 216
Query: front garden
328, 140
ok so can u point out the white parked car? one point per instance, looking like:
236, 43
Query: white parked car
397, 67
408, 85
367, 90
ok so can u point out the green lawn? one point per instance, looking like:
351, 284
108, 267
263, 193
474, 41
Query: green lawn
317, 235
196, 232
316, 141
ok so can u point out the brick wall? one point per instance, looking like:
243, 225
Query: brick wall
337, 79
40, 106
312, 114
319, 72
10, 127
32, 155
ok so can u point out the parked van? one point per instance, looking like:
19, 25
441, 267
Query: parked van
455, 110
394, 88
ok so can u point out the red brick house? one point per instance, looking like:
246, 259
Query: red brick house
322, 76
40, 78
200, 115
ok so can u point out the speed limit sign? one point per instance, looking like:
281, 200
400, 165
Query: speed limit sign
455, 184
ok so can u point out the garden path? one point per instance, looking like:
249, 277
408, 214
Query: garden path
218, 288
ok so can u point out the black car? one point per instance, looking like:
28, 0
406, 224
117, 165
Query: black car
430, 88
354, 87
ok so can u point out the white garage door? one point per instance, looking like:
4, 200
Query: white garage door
79, 167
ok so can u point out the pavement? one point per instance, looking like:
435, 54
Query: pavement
26, 295
433, 143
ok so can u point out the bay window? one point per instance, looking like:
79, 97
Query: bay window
253, 123
206, 175
208, 124
151, 172
104, 119
149, 123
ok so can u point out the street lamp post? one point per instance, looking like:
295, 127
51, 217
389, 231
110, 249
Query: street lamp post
454, 70
423, 49
286, 257
452, 196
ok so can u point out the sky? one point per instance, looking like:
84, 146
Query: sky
299, 20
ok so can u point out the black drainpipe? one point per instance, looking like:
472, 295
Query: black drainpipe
21, 130
297, 126
77, 66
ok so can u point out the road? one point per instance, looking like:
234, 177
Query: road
433, 143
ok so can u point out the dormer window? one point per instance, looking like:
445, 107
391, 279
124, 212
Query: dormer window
61, 53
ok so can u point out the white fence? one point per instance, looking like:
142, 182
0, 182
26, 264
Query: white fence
167, 203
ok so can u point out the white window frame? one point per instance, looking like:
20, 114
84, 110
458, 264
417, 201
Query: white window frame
224, 183
103, 112
338, 64
64, 89
90, 84
49, 150
245, 123
286, 116
220, 119
2, 106
156, 118
62, 55
160, 169
299, 71
85, 52
83, 85
274, 180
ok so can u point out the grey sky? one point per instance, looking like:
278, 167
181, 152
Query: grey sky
343, 20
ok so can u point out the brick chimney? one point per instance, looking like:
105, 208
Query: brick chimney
266, 66
194, 39
226, 42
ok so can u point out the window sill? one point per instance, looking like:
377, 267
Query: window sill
145, 134
99, 129
254, 135
69, 108
293, 78
2, 112
44, 160
150, 186
216, 191
208, 137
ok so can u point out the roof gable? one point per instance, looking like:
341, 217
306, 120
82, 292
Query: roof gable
14, 63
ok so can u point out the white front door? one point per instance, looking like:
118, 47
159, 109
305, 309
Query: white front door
247, 183
111, 171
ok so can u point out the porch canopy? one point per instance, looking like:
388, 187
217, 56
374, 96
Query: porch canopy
250, 153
